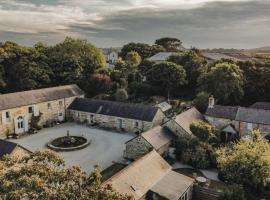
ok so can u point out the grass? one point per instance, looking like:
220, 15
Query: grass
112, 170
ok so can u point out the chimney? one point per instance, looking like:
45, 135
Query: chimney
211, 102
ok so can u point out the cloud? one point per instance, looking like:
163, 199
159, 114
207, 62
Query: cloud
202, 23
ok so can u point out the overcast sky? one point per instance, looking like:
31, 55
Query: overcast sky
106, 23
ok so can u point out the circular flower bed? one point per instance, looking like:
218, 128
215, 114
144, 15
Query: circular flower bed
68, 143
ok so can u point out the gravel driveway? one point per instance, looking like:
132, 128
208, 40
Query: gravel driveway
106, 146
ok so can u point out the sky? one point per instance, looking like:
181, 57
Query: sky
113, 23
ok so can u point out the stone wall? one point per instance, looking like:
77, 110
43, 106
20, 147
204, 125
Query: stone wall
176, 128
112, 122
49, 113
244, 129
137, 148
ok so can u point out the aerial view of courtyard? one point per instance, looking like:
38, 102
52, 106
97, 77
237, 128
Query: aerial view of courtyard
105, 146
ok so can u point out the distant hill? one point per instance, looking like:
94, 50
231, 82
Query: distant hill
262, 49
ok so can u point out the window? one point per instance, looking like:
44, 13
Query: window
60, 103
49, 105
249, 126
30, 110
7, 115
136, 124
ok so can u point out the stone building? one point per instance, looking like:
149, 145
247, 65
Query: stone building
180, 124
151, 177
8, 148
50, 104
239, 121
127, 117
158, 138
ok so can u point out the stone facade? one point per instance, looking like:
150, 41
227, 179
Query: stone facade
176, 129
17, 120
137, 148
244, 128
117, 123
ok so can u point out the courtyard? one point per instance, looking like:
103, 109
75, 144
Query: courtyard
106, 146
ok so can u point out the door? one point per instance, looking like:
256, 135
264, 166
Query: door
120, 123
60, 116
19, 125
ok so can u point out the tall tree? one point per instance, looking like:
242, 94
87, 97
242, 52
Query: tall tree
74, 60
225, 81
170, 44
43, 175
167, 76
144, 50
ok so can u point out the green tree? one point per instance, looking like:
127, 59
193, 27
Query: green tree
167, 76
193, 63
144, 50
203, 131
23, 68
43, 175
191, 151
121, 95
225, 81
246, 163
133, 59
170, 44
201, 101
74, 60
234, 192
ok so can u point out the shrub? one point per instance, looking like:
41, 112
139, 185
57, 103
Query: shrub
203, 131
121, 95
234, 192
201, 101
193, 152
246, 163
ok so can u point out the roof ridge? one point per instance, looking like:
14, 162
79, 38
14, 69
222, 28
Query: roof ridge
37, 89
132, 165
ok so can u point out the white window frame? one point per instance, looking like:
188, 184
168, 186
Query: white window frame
249, 126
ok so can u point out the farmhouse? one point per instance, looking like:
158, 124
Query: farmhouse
116, 115
111, 55
158, 138
180, 124
12, 149
50, 104
152, 177
239, 121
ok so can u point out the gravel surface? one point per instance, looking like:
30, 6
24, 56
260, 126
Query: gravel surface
105, 148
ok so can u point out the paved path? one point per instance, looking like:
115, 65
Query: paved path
207, 173
106, 146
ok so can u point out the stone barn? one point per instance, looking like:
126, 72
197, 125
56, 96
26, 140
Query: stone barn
121, 116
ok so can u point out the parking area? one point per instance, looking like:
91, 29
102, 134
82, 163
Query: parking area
105, 148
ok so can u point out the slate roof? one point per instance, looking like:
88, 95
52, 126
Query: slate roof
173, 185
162, 56
253, 115
157, 137
225, 112
150, 172
30, 97
6, 148
113, 108
261, 105
185, 119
